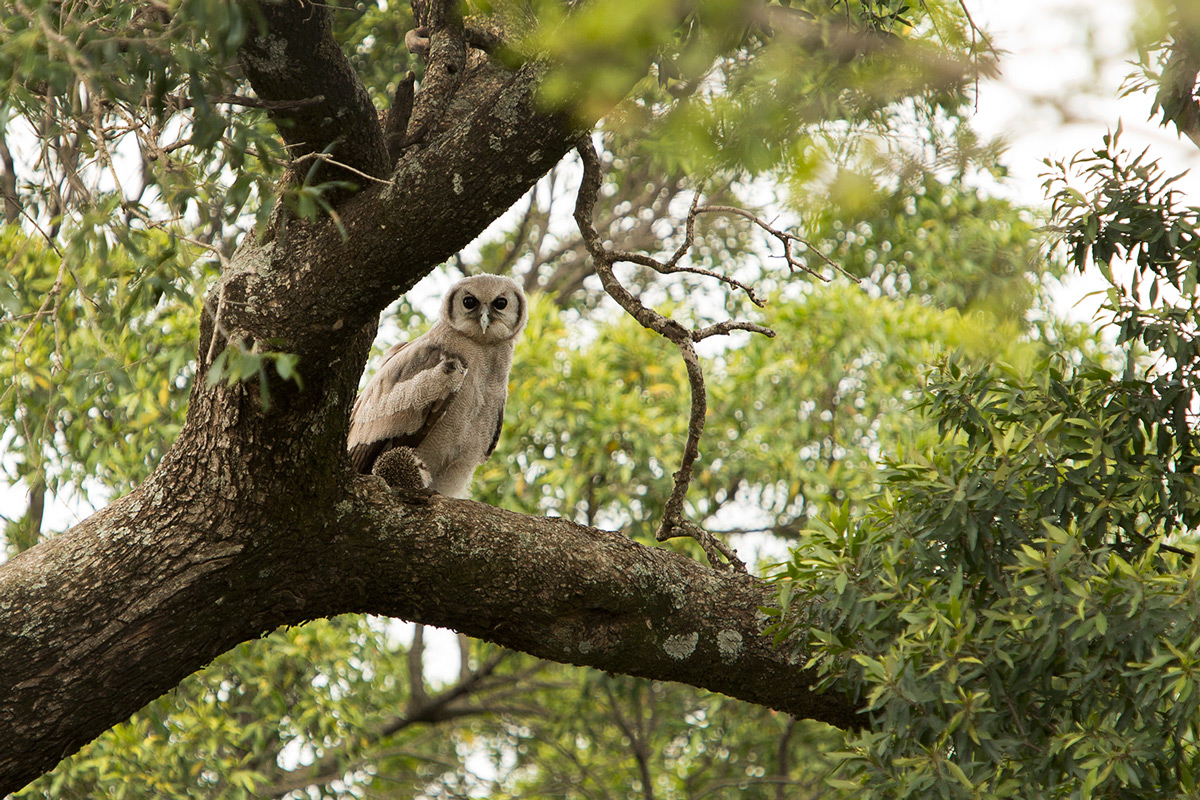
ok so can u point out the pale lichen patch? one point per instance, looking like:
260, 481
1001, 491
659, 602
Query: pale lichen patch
681, 645
729, 645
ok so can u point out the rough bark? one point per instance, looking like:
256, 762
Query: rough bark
315, 99
253, 519
103, 619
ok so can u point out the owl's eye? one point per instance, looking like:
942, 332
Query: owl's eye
470, 302
499, 303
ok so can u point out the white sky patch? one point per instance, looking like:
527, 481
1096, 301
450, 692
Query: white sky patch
1054, 99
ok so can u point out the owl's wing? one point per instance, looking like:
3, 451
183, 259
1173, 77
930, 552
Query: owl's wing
405, 399
496, 434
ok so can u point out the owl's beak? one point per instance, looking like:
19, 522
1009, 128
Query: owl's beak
483, 319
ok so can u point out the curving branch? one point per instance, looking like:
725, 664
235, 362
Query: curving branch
674, 523
100, 620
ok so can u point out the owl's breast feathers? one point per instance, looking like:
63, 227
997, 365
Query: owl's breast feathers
443, 394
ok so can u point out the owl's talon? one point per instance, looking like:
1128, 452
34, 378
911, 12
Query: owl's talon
403, 470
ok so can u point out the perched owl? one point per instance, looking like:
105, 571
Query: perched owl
443, 393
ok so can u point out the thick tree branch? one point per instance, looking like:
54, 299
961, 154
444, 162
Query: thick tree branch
441, 23
310, 90
102, 619
437, 201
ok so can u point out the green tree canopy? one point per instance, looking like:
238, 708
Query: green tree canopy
208, 207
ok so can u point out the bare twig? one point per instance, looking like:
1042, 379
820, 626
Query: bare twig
328, 159
673, 523
671, 265
785, 238
183, 102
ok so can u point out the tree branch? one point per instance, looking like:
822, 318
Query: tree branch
785, 238
674, 523
8, 183
178, 584
310, 91
438, 199
440, 22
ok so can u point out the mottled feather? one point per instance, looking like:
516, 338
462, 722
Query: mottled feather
405, 399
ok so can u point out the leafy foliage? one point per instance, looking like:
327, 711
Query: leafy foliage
1018, 607
168, 107
97, 371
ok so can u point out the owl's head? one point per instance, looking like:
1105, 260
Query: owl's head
485, 308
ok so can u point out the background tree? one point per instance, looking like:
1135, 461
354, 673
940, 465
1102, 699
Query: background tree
343, 706
1020, 602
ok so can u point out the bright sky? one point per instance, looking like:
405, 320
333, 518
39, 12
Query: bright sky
1055, 97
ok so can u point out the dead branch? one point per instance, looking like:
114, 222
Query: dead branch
673, 523
785, 238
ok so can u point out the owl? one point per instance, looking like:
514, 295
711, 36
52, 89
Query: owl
443, 393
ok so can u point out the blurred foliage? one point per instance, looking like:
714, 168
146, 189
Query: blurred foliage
97, 367
962, 248
1167, 35
328, 687
138, 146
1018, 606
333, 704
795, 421
745, 86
